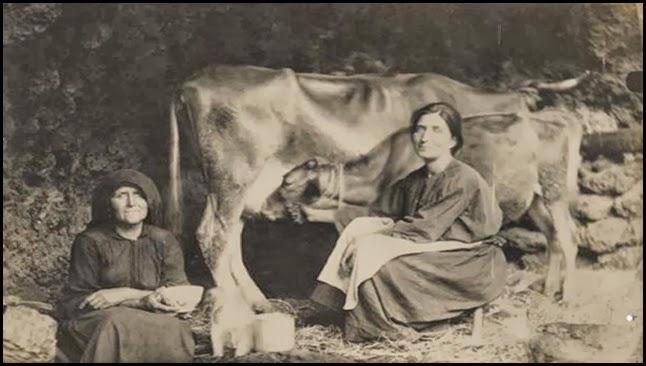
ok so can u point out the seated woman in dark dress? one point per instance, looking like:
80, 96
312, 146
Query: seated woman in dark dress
444, 201
111, 310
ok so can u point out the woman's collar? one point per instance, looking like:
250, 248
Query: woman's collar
145, 231
452, 165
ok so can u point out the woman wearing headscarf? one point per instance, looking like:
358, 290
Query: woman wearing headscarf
445, 203
111, 310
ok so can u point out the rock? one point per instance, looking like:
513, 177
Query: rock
43, 82
27, 335
567, 342
631, 203
631, 157
43, 308
22, 22
534, 262
599, 164
614, 180
526, 240
622, 258
95, 35
592, 207
47, 119
72, 84
603, 236
95, 162
596, 121
637, 229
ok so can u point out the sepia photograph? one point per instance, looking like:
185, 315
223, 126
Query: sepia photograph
322, 183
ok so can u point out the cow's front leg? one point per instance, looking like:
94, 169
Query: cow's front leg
564, 227
554, 221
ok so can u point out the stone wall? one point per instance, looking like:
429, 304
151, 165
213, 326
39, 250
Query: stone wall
608, 211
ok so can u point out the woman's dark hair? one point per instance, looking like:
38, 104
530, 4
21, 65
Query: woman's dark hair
450, 115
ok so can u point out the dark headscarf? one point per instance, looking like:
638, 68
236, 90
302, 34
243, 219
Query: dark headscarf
101, 208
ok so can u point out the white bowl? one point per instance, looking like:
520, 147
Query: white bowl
188, 296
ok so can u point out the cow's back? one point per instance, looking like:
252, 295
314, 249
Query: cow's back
293, 116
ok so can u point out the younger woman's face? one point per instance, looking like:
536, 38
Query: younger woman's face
129, 205
432, 137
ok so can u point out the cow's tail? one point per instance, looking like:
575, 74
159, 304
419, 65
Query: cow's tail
574, 139
174, 218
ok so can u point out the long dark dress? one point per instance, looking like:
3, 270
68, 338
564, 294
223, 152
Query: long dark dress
102, 259
415, 290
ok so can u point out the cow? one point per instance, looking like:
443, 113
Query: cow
250, 125
530, 160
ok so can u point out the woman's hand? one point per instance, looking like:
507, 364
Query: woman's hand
295, 212
157, 302
347, 259
318, 215
106, 298
496, 240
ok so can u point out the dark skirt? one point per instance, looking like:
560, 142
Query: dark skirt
123, 334
415, 290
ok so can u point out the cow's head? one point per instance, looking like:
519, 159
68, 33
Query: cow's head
303, 185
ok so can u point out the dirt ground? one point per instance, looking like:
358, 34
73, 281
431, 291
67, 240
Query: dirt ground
510, 322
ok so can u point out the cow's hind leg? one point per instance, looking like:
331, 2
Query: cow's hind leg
231, 187
554, 220
247, 285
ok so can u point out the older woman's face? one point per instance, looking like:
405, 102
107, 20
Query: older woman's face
129, 205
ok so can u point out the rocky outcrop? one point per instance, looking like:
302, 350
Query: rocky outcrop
591, 207
623, 258
24, 21
613, 180
606, 235
567, 342
525, 240
27, 335
631, 203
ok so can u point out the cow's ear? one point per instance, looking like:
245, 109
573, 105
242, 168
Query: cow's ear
312, 163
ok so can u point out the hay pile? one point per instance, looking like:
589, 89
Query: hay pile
324, 343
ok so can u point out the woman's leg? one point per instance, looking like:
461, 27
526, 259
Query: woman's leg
329, 295
419, 289
121, 334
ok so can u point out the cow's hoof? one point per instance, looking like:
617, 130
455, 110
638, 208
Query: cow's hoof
569, 294
263, 306
218, 351
552, 290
